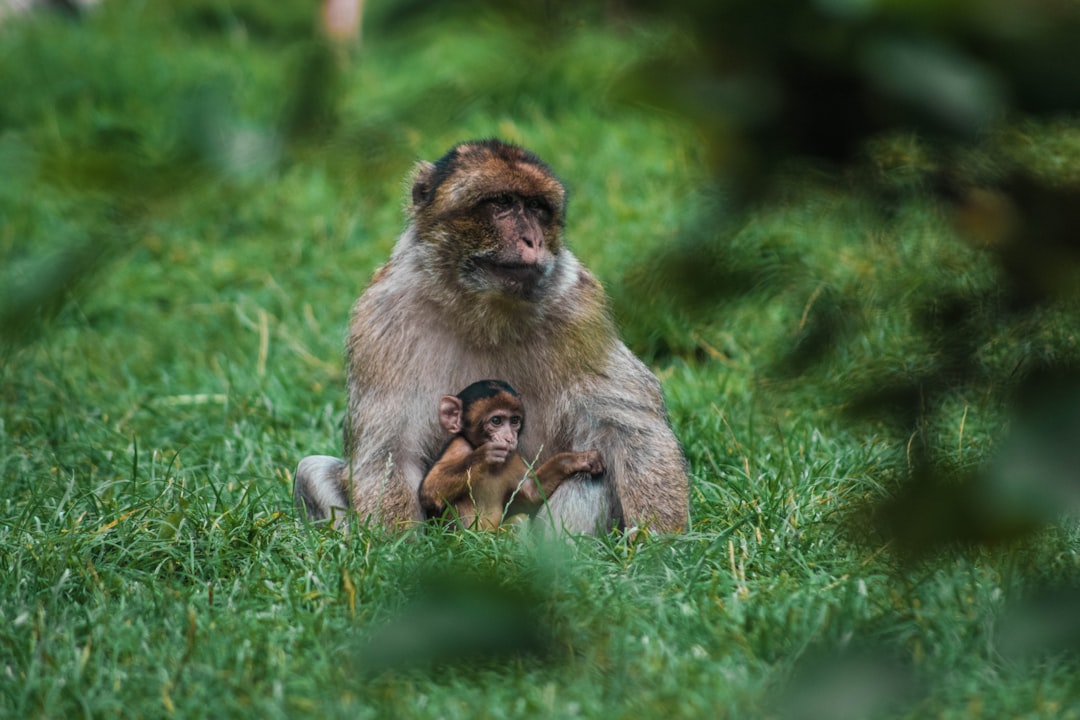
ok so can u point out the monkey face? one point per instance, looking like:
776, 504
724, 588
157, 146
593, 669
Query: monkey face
495, 213
502, 426
516, 257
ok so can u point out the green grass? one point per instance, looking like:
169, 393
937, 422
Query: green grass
174, 318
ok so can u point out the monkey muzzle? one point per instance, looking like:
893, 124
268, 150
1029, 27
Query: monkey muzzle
519, 279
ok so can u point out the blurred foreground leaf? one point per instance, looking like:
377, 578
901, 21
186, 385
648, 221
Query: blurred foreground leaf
460, 617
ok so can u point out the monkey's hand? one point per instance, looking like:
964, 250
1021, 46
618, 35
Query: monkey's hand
494, 452
589, 461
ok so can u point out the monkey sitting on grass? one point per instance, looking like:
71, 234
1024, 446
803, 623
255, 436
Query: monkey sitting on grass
482, 284
480, 479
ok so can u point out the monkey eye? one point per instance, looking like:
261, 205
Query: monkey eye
496, 421
515, 421
502, 200
539, 206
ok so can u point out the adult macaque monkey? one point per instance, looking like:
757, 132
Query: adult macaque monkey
480, 479
480, 285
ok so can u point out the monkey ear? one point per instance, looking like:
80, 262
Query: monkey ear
422, 179
450, 413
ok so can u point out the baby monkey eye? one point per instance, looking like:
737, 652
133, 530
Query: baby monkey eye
496, 420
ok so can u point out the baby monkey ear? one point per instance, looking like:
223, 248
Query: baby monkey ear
423, 177
450, 413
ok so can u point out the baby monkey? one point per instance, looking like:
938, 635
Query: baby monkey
480, 476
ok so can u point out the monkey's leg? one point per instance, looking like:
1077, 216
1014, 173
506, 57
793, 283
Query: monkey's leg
582, 506
319, 487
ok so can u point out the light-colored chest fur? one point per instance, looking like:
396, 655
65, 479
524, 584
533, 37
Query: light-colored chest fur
440, 364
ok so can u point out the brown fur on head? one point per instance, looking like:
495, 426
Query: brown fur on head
471, 171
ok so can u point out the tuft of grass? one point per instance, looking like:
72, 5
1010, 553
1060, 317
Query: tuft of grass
157, 393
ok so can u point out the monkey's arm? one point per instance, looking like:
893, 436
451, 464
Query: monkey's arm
449, 479
544, 480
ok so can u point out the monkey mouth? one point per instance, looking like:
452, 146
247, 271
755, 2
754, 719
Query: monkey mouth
514, 278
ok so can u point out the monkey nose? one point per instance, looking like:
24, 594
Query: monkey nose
533, 240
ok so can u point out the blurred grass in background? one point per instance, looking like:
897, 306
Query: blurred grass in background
841, 232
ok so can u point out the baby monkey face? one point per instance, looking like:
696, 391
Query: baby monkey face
503, 425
